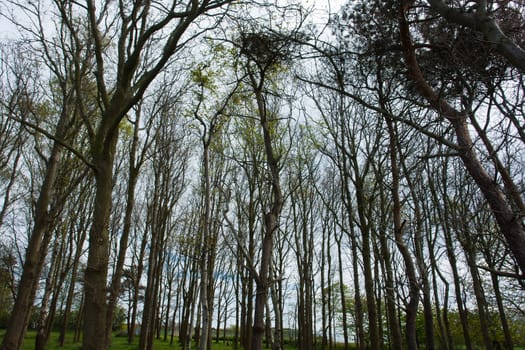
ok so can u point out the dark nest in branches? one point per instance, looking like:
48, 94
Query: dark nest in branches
266, 49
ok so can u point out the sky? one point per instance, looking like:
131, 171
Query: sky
321, 9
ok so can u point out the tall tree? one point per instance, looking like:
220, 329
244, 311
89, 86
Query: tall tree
59, 108
169, 172
504, 200
129, 30
260, 60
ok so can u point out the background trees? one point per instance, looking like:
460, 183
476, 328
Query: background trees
280, 181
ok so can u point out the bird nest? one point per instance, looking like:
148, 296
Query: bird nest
263, 48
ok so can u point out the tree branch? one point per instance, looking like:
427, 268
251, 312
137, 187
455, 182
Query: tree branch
56, 139
483, 23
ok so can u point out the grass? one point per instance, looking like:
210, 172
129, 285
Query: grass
118, 343
121, 343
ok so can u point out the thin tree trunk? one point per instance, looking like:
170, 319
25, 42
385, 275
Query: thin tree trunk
358, 307
73, 280
457, 288
342, 293
45, 310
136, 288
275, 290
168, 307
421, 262
390, 295
80, 319
205, 246
411, 310
476, 284
271, 221
501, 311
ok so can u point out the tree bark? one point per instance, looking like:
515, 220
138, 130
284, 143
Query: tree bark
96, 273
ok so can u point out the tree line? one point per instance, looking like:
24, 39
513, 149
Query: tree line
193, 167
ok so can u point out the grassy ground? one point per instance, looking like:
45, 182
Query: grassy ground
121, 343
118, 343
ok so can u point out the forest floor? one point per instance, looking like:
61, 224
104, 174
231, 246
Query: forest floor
118, 343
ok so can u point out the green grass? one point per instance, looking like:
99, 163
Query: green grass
118, 343
121, 343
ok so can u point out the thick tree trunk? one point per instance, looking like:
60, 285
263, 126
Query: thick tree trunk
34, 259
96, 273
95, 276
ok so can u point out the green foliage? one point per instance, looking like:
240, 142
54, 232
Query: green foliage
7, 264
517, 327
119, 318
204, 77
126, 127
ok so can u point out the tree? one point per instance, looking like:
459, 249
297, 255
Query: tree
7, 289
504, 201
58, 107
135, 71
211, 129
14, 89
260, 59
304, 210
129, 30
169, 166
488, 18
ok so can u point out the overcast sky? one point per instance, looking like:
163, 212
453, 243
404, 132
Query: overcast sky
320, 8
